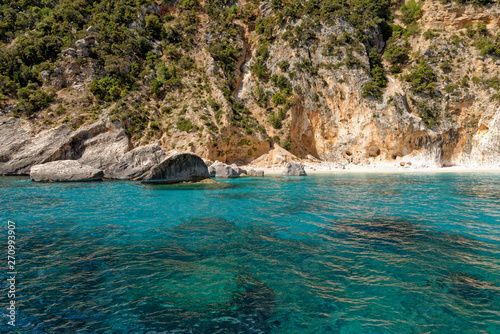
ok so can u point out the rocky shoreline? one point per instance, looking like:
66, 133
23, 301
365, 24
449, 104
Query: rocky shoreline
103, 151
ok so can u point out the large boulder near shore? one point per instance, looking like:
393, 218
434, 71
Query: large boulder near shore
178, 167
99, 145
222, 170
253, 172
238, 169
294, 169
135, 164
65, 171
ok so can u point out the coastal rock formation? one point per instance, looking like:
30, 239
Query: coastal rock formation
136, 163
294, 169
98, 145
20, 150
222, 170
487, 152
178, 167
239, 170
65, 171
276, 156
253, 172
208, 162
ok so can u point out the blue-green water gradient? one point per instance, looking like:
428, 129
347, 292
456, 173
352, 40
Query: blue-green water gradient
346, 253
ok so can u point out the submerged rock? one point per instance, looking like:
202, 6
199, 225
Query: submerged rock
208, 181
294, 169
135, 164
178, 167
65, 171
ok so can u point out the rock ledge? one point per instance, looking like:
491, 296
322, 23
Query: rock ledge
65, 171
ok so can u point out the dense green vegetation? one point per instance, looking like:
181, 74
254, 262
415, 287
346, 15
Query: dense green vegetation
422, 78
34, 33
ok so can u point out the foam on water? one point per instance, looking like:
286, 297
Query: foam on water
322, 254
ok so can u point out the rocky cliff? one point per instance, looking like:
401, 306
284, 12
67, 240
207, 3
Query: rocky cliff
345, 82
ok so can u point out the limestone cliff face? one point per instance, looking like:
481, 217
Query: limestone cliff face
332, 121
301, 90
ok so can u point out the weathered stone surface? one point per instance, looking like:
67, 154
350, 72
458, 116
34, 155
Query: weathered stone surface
81, 43
178, 167
20, 150
294, 169
99, 145
68, 52
211, 171
330, 120
136, 163
253, 172
151, 9
222, 170
277, 155
208, 162
65, 171
238, 170
44, 74
487, 151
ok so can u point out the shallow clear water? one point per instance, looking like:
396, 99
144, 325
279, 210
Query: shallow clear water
322, 254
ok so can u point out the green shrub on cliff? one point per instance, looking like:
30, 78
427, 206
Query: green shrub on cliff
41, 30
184, 124
32, 99
110, 88
396, 55
489, 46
373, 88
279, 99
411, 12
422, 78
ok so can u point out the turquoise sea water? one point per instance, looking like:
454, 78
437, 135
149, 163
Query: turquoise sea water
417, 253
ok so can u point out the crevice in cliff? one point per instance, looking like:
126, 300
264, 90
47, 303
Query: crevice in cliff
245, 58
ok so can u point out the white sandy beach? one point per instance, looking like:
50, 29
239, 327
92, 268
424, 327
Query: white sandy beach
322, 168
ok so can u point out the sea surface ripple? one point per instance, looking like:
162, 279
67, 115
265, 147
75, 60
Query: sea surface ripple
358, 253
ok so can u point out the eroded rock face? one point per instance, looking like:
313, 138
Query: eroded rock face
238, 170
136, 163
487, 152
65, 171
100, 145
294, 169
20, 150
178, 167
